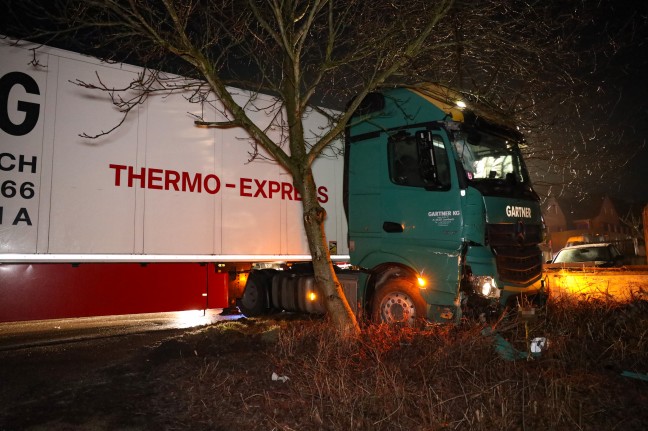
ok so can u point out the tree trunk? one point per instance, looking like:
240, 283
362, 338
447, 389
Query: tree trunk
335, 302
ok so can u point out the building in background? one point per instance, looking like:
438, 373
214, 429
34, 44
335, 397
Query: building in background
598, 219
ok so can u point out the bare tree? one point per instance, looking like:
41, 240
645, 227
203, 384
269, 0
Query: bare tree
289, 49
558, 69
518, 57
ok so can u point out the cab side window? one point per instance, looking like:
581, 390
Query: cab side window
414, 165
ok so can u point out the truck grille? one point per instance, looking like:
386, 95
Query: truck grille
518, 257
513, 234
518, 264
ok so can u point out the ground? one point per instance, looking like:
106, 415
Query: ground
126, 382
232, 376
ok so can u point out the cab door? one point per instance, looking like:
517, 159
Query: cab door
421, 204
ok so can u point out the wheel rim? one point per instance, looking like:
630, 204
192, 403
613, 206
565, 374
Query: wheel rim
398, 307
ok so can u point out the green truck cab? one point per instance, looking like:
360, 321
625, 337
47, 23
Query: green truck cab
442, 215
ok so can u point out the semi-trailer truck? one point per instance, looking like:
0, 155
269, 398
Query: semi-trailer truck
161, 215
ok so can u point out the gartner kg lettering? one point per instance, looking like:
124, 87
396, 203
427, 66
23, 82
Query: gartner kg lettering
196, 182
445, 213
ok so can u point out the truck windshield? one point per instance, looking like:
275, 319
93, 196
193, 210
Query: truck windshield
492, 163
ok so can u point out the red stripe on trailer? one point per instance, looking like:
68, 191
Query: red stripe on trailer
63, 290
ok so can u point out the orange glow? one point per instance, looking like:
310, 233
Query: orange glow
612, 284
421, 281
311, 296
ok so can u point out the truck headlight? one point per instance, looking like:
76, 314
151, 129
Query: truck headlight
486, 286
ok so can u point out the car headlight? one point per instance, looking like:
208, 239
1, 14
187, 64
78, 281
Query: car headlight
485, 286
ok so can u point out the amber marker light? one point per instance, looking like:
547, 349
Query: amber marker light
421, 282
312, 296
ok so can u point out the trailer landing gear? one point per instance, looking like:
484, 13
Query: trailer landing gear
255, 300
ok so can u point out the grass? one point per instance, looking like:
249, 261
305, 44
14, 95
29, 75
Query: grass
439, 377
433, 377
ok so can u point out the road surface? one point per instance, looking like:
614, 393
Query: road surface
21, 335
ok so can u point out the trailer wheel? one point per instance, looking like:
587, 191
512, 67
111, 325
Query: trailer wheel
398, 302
255, 295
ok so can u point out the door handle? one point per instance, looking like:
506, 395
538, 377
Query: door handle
392, 227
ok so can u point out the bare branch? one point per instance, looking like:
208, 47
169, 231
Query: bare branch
218, 124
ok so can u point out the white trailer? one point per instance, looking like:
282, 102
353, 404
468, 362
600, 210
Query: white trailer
158, 215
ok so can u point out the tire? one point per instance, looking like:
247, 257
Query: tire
398, 302
255, 295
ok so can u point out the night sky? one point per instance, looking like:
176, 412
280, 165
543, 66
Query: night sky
626, 78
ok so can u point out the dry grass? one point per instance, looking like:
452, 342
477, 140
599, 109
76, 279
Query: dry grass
431, 378
427, 378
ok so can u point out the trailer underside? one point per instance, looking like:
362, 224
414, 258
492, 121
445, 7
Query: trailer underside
35, 291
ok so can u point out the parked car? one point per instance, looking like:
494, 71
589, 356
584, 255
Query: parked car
599, 254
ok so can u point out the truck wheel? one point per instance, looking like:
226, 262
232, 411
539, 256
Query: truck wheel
255, 295
398, 302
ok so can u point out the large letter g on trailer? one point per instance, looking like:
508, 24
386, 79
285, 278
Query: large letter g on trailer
31, 110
